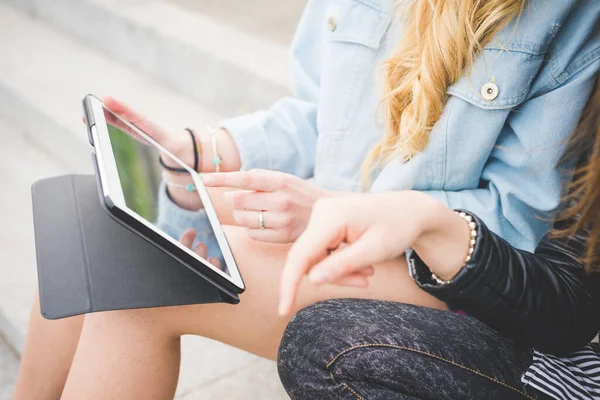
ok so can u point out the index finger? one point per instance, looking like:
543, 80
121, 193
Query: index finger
310, 248
122, 110
134, 118
247, 180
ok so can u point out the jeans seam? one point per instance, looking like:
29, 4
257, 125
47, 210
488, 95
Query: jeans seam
346, 386
367, 345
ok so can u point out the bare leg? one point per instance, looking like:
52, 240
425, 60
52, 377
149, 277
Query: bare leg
134, 354
50, 345
47, 357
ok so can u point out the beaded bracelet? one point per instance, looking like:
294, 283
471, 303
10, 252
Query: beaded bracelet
472, 242
188, 187
216, 158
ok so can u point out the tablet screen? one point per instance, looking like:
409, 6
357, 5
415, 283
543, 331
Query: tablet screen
168, 200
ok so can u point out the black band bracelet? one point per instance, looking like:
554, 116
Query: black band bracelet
196, 156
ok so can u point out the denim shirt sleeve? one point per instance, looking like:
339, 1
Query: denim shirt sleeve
284, 137
174, 220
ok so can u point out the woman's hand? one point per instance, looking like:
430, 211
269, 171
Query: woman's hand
187, 239
345, 235
285, 200
179, 142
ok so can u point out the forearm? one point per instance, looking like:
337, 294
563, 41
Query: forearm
228, 152
541, 300
282, 138
445, 238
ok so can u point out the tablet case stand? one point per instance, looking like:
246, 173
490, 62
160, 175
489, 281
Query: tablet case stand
87, 261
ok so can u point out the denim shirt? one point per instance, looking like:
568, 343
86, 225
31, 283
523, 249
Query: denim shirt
174, 220
494, 155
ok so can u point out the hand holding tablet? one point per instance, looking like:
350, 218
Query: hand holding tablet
133, 184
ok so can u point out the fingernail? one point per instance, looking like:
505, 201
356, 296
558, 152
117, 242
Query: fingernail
208, 180
318, 276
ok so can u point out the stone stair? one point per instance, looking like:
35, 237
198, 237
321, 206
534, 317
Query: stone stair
52, 53
221, 66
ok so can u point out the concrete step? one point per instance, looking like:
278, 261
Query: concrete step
272, 20
43, 76
8, 370
228, 70
21, 164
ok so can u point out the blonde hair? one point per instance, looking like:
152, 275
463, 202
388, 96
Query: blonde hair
441, 42
584, 196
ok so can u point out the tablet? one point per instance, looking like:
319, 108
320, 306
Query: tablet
134, 185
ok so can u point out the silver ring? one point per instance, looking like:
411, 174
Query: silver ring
261, 219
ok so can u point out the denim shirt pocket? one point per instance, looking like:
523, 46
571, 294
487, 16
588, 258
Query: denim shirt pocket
355, 31
473, 116
501, 77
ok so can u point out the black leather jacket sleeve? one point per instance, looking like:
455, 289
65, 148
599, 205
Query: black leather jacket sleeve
544, 300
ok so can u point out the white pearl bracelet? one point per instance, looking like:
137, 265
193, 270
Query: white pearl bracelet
473, 241
216, 159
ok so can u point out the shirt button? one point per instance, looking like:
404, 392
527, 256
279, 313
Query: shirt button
489, 91
331, 24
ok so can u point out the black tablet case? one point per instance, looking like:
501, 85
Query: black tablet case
87, 261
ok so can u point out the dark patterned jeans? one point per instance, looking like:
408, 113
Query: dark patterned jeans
368, 349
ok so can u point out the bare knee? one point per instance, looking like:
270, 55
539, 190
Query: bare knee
301, 368
144, 321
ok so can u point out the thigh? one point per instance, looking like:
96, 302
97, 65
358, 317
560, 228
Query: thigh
383, 350
253, 324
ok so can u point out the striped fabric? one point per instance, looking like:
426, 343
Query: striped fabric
574, 377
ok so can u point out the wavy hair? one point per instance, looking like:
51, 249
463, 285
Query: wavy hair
584, 193
441, 41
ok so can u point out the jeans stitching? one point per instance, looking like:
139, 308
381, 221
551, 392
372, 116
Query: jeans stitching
366, 345
346, 386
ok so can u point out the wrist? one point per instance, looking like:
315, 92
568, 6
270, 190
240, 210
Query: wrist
227, 150
181, 146
427, 213
443, 241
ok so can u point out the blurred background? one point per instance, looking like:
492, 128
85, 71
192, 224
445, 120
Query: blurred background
182, 63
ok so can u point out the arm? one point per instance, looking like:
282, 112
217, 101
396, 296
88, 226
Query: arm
543, 300
283, 138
